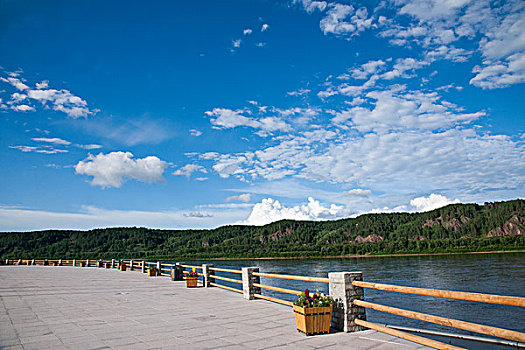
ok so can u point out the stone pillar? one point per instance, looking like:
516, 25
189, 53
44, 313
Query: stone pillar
131, 265
248, 279
7, 261
33, 262
59, 262
159, 272
19, 261
206, 272
87, 263
112, 263
344, 293
143, 266
74, 262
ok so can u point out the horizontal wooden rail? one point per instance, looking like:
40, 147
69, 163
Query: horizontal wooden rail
275, 300
225, 270
292, 277
407, 336
277, 289
449, 322
226, 287
226, 279
191, 267
483, 298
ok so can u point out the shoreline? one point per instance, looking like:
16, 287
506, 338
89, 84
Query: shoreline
365, 256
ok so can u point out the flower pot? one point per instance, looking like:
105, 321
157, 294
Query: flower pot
82, 264
122, 267
313, 320
191, 282
107, 265
152, 272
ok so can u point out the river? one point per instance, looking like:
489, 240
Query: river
483, 273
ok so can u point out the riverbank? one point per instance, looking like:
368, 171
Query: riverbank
368, 256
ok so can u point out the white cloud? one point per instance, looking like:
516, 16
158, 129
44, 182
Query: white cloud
270, 210
43, 85
17, 83
500, 74
43, 149
311, 6
247, 31
54, 140
359, 192
236, 43
431, 202
300, 92
20, 219
112, 169
265, 27
189, 169
245, 197
59, 100
89, 147
367, 69
195, 132
23, 108
334, 22
227, 118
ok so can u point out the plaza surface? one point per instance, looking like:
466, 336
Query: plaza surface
46, 307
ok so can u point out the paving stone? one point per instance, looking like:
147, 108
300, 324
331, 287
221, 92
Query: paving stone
98, 309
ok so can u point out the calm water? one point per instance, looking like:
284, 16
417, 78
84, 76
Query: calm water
483, 273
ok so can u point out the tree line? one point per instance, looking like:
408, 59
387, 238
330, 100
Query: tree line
454, 228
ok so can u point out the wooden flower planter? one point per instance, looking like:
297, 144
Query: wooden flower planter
122, 267
82, 264
313, 320
152, 272
107, 265
191, 282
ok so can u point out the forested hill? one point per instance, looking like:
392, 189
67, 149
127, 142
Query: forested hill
454, 228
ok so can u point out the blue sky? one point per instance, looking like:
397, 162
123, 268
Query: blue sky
200, 114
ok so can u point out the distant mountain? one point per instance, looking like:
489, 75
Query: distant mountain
454, 228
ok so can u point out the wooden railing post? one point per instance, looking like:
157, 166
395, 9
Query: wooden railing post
131, 264
33, 262
159, 272
344, 293
87, 263
74, 262
248, 279
206, 272
143, 266
59, 262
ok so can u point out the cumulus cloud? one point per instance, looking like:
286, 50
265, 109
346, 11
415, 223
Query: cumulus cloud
270, 210
189, 169
224, 118
112, 169
245, 197
23, 108
431, 202
500, 74
311, 6
59, 100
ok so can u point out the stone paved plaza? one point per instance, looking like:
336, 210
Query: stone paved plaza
46, 307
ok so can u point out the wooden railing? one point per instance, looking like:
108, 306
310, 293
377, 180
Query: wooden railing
518, 337
359, 302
